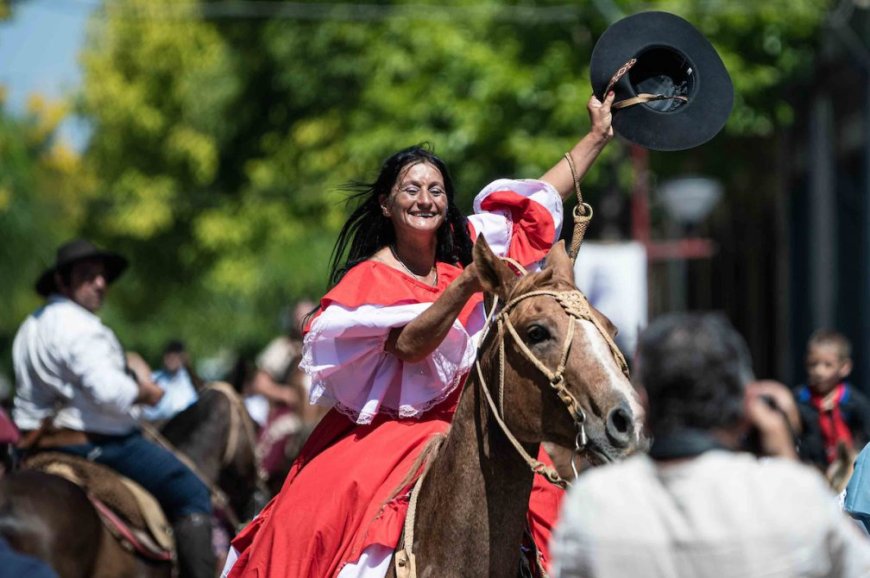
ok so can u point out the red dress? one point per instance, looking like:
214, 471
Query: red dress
335, 505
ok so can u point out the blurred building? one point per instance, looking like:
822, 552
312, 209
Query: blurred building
827, 194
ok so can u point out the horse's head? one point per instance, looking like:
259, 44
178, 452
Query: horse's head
564, 379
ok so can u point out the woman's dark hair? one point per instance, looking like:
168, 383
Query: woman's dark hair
695, 368
367, 229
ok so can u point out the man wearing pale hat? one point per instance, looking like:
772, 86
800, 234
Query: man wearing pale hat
77, 392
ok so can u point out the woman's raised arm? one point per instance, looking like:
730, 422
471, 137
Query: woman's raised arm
586, 150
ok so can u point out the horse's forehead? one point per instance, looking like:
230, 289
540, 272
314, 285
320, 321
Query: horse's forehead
545, 280
599, 359
557, 296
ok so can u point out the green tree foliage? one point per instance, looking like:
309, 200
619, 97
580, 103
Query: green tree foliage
221, 141
40, 180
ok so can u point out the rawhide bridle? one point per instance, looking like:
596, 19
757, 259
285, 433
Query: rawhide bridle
575, 304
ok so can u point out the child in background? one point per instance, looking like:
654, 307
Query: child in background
833, 412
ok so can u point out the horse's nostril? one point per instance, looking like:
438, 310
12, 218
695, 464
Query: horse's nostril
620, 420
619, 427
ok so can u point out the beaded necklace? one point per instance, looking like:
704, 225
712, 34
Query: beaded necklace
408, 269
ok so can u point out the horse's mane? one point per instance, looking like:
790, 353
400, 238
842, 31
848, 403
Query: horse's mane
420, 466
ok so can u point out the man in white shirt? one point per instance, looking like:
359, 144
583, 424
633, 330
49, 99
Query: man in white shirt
76, 392
696, 506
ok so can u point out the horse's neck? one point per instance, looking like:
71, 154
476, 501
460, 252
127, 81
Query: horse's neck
200, 433
472, 507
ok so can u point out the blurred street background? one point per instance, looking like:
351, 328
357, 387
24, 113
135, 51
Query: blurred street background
208, 141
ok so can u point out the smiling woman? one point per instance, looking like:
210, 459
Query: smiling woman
390, 349
417, 207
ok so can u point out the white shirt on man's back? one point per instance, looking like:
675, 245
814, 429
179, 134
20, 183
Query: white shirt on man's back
68, 364
720, 515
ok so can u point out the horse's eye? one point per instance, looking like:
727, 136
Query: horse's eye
537, 334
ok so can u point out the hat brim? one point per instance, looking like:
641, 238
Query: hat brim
115, 265
691, 124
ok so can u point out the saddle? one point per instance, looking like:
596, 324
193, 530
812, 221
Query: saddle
128, 511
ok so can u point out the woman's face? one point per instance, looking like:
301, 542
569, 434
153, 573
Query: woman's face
417, 204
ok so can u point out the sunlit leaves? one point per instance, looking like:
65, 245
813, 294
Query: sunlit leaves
40, 179
219, 146
143, 205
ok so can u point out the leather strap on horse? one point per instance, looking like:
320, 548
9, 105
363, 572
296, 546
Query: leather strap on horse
576, 305
129, 538
237, 414
404, 560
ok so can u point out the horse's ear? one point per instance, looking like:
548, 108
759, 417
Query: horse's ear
558, 260
495, 276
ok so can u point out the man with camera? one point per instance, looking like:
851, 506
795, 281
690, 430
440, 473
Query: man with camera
700, 505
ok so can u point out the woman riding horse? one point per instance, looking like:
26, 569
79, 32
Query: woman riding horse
389, 350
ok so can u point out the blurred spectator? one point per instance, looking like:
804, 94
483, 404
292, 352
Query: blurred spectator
175, 378
242, 378
696, 506
279, 380
277, 376
833, 412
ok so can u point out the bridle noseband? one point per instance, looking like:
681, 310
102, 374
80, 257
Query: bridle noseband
575, 304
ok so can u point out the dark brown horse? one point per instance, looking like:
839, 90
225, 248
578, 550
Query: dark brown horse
217, 435
563, 382
51, 518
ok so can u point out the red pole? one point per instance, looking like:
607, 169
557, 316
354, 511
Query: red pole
640, 221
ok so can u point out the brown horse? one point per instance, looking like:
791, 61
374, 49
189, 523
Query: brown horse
53, 519
217, 435
563, 381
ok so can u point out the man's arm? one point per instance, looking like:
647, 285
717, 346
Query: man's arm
586, 150
96, 360
149, 392
772, 411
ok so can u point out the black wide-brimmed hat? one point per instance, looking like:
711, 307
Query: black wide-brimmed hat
672, 89
79, 250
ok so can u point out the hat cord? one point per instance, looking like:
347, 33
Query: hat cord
582, 213
642, 97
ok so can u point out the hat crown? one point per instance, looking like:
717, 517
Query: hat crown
75, 250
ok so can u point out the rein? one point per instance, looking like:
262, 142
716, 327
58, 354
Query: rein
575, 304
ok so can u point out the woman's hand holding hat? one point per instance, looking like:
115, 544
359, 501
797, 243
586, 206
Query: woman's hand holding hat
601, 116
